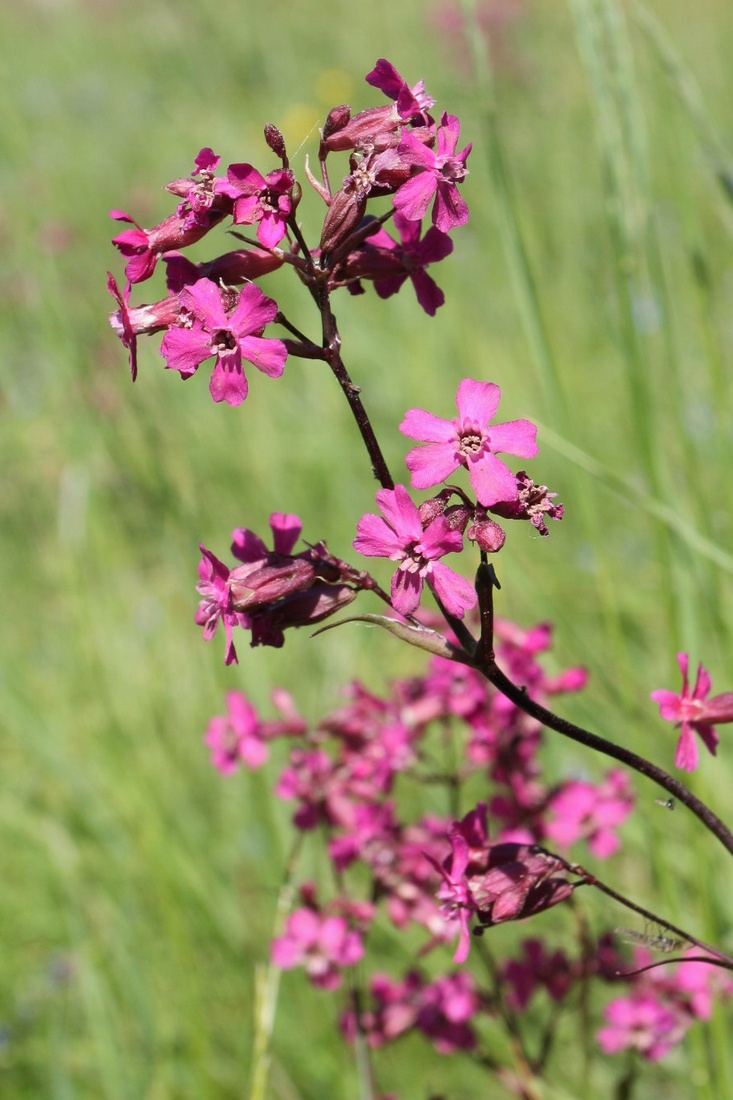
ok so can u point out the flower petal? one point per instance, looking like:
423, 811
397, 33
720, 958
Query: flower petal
477, 401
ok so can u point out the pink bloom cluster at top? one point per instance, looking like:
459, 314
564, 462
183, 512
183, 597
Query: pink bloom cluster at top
396, 150
694, 713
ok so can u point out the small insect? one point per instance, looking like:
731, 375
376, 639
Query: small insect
668, 803
654, 942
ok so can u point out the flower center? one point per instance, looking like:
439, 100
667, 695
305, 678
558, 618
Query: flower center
470, 442
223, 340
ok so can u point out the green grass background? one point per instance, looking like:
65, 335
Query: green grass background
594, 283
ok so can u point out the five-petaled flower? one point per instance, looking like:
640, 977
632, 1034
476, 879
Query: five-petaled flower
439, 171
469, 441
694, 713
264, 200
400, 537
230, 336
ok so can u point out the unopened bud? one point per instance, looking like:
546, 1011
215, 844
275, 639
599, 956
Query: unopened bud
252, 589
343, 216
487, 534
276, 142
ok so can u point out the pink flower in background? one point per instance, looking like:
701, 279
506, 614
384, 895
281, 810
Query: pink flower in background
469, 441
442, 1010
694, 713
230, 336
641, 1022
236, 738
400, 537
590, 812
535, 969
323, 945
439, 171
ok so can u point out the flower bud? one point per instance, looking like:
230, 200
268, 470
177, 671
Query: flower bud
252, 589
276, 142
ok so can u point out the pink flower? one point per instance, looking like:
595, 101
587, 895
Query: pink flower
592, 813
439, 171
695, 713
265, 200
533, 502
400, 537
142, 247
130, 322
237, 737
323, 945
641, 1022
229, 335
205, 198
468, 441
535, 969
442, 1010
495, 882
389, 263
411, 102
216, 605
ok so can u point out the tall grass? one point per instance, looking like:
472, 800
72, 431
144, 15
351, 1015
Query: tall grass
593, 284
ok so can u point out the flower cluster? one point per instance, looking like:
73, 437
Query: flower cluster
451, 879
341, 776
397, 151
662, 1005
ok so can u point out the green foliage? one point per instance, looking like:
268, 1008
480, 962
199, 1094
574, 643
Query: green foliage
593, 284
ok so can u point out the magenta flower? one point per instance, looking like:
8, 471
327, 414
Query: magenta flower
130, 322
694, 713
266, 200
216, 605
439, 171
411, 102
204, 198
401, 538
142, 247
442, 1010
495, 882
237, 737
468, 441
586, 811
230, 336
389, 263
323, 945
641, 1022
536, 969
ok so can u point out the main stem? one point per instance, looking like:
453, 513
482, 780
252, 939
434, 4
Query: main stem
332, 350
